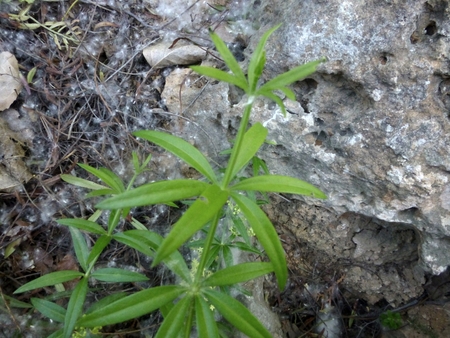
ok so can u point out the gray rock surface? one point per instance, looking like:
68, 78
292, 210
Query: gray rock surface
374, 131
371, 128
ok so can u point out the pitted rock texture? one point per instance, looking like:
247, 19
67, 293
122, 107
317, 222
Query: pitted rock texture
378, 259
371, 128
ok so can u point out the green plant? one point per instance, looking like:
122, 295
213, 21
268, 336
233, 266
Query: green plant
188, 303
391, 320
64, 34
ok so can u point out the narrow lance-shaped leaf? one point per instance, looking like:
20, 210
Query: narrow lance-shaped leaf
228, 57
275, 98
295, 74
82, 224
49, 309
115, 275
98, 248
12, 302
107, 176
81, 182
288, 92
175, 320
257, 60
227, 255
75, 307
52, 278
114, 219
253, 139
204, 208
57, 334
206, 324
180, 148
80, 246
106, 301
280, 184
155, 193
238, 274
135, 241
100, 192
133, 306
175, 262
237, 314
220, 75
266, 234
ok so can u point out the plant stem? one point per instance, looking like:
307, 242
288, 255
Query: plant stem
207, 246
187, 332
237, 144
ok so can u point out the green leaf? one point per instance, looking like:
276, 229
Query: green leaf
135, 161
275, 98
143, 240
253, 139
165, 309
228, 57
245, 247
203, 210
12, 302
81, 182
240, 226
107, 176
137, 225
258, 164
31, 74
238, 274
227, 255
100, 192
206, 324
95, 216
114, 218
278, 183
50, 279
75, 307
106, 301
295, 74
237, 314
180, 148
118, 275
212, 255
289, 93
133, 306
155, 193
97, 249
175, 320
135, 240
57, 334
257, 60
80, 246
82, 224
221, 76
266, 234
49, 309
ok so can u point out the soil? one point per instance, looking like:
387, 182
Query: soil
91, 90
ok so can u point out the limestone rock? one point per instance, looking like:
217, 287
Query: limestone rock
374, 131
13, 170
371, 128
160, 55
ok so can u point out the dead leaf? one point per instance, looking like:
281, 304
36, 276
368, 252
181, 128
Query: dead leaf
10, 84
159, 56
